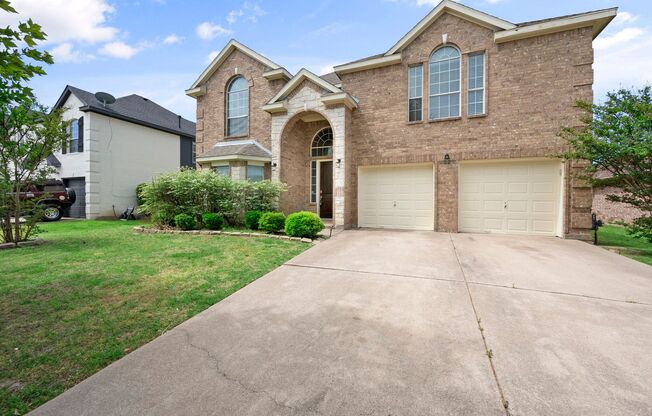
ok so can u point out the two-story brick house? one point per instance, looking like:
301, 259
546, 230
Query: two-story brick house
454, 128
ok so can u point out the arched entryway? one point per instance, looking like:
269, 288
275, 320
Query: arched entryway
306, 164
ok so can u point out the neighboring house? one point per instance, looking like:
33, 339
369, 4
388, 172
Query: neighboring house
115, 147
610, 211
451, 129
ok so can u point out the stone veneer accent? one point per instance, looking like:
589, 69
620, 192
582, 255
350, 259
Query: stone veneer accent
305, 99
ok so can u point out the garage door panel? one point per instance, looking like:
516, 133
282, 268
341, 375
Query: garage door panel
517, 188
494, 188
402, 198
509, 197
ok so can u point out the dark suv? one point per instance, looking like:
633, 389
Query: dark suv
53, 196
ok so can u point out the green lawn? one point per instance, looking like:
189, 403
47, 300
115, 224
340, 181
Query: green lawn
636, 248
96, 290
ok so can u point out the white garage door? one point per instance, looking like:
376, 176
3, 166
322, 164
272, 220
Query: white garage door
510, 197
400, 197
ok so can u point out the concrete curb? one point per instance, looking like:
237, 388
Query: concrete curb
29, 243
144, 230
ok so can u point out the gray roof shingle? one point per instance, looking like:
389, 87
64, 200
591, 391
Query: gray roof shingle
332, 78
246, 148
133, 108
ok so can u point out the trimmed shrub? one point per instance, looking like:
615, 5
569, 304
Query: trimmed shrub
303, 224
212, 221
139, 194
185, 221
252, 218
272, 222
195, 192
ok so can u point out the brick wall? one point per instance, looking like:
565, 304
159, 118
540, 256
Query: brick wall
211, 106
531, 87
611, 212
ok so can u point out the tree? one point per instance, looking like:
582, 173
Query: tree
617, 138
28, 132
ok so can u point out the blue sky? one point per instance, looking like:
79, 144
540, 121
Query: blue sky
157, 48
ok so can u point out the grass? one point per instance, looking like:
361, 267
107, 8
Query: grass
96, 290
635, 248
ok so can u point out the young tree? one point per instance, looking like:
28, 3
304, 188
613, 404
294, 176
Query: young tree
617, 138
28, 133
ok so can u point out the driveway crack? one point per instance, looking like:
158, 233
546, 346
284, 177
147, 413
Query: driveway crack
247, 387
488, 351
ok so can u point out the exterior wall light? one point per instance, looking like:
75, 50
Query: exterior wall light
339, 162
447, 159
274, 165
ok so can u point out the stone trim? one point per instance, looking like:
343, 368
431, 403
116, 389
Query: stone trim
28, 243
145, 230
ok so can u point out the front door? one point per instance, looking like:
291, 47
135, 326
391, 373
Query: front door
326, 189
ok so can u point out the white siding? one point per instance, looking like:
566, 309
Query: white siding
124, 155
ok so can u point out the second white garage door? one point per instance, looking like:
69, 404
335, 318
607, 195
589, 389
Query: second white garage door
511, 197
399, 197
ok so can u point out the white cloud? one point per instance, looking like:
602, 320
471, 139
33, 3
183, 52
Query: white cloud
173, 39
326, 69
233, 16
66, 20
66, 53
208, 31
212, 56
250, 11
624, 17
622, 58
120, 50
624, 36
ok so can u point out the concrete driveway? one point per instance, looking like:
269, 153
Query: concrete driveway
403, 323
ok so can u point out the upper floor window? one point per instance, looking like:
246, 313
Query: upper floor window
76, 131
237, 107
415, 93
476, 84
322, 143
445, 83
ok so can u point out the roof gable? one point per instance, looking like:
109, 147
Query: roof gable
221, 57
302, 75
456, 9
132, 108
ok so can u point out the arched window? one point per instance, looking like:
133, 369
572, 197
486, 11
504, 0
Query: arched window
237, 107
322, 143
445, 72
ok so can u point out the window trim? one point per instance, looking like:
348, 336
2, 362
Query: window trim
415, 65
459, 91
484, 84
226, 107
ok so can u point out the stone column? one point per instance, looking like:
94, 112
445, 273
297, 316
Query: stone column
337, 121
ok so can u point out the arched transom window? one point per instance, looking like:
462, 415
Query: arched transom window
322, 143
445, 83
237, 107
